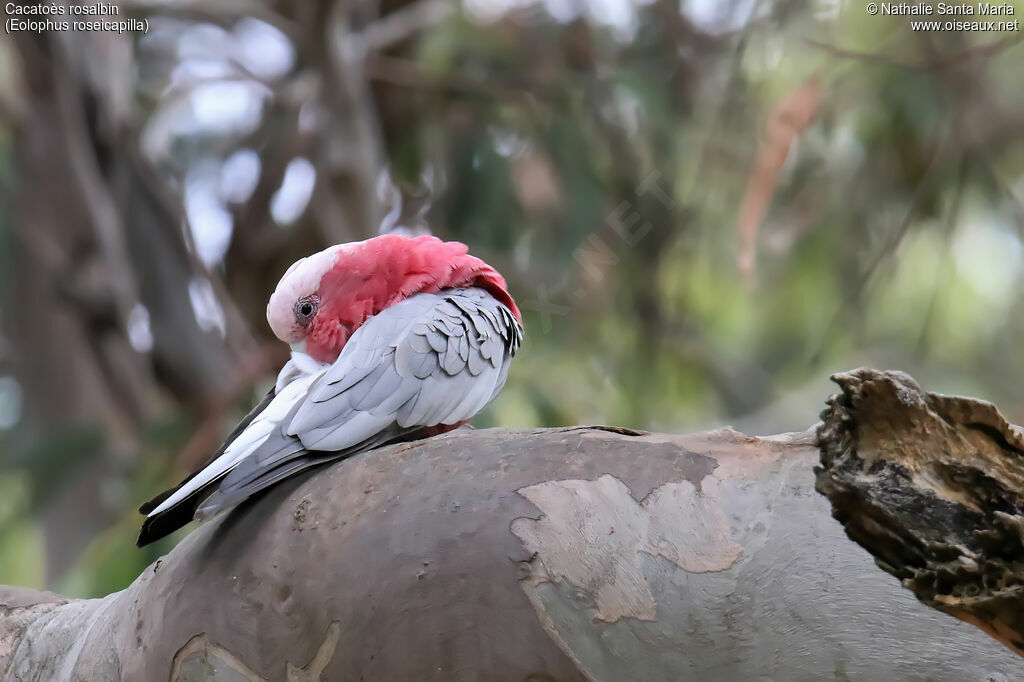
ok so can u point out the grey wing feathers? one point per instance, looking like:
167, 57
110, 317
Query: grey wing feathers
432, 359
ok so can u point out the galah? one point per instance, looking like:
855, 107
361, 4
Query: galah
393, 338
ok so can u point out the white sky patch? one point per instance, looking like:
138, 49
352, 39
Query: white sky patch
488, 11
214, 75
170, 121
564, 11
228, 106
208, 311
257, 47
262, 49
191, 70
140, 336
988, 254
239, 175
210, 221
204, 40
718, 16
617, 15
620, 16
291, 199
10, 402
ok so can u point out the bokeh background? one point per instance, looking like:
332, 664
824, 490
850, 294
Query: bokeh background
703, 207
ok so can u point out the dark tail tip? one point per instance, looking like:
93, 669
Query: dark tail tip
146, 535
165, 523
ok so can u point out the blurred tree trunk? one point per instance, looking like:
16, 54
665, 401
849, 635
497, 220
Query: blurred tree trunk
94, 248
551, 554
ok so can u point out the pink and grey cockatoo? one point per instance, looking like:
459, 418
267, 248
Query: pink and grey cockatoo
392, 338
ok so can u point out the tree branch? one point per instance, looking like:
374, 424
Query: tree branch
586, 553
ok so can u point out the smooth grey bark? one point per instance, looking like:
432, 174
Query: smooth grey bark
581, 553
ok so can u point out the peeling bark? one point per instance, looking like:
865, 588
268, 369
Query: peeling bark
933, 487
555, 554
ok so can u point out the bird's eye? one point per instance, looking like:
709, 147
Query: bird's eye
305, 309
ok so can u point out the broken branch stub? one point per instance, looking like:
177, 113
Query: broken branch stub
933, 487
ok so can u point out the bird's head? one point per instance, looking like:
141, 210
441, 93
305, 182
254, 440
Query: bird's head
295, 303
322, 299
